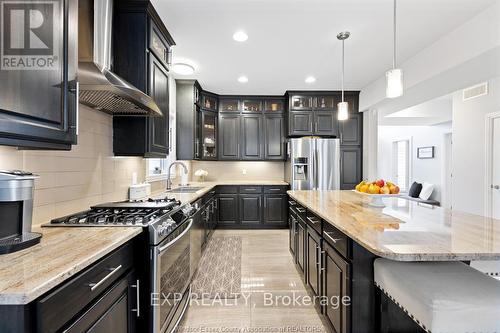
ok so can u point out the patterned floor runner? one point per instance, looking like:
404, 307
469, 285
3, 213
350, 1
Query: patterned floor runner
219, 273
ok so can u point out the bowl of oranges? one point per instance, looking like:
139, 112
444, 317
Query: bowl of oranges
377, 190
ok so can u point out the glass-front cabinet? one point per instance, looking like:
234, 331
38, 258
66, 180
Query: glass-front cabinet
251, 105
325, 103
301, 102
208, 135
208, 102
274, 105
229, 105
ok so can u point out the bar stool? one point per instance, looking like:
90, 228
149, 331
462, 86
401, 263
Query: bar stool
441, 297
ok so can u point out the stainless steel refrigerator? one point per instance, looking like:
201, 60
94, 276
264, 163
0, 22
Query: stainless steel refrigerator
313, 164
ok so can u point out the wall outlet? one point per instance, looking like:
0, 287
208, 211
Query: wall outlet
244, 171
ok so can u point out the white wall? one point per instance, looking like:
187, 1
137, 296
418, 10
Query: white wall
428, 170
468, 148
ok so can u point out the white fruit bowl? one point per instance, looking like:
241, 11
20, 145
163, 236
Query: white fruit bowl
376, 199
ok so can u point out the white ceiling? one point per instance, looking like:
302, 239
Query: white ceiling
292, 39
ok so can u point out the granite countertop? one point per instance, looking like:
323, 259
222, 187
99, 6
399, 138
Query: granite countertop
405, 230
27, 274
64, 251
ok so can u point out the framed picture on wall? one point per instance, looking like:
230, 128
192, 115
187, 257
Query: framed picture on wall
425, 152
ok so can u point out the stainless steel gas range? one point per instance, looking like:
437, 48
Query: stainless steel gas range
171, 261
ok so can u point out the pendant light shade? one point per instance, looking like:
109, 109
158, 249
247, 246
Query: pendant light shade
394, 86
343, 111
343, 107
394, 77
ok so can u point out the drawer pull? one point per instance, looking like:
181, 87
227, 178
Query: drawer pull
137, 294
301, 210
313, 220
334, 240
274, 189
94, 286
291, 203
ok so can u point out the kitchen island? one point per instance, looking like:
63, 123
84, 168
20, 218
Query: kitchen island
335, 236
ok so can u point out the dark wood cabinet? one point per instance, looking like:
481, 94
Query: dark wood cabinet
115, 311
351, 130
250, 207
39, 108
144, 63
313, 250
251, 137
350, 167
336, 285
251, 128
300, 247
275, 209
209, 101
228, 209
292, 232
197, 127
325, 123
158, 143
229, 136
274, 137
300, 123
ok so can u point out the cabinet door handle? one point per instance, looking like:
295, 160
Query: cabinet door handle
137, 294
94, 286
313, 220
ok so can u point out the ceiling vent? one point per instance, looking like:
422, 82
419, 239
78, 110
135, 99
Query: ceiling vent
475, 91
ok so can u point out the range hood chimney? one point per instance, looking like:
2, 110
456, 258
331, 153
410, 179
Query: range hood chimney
100, 88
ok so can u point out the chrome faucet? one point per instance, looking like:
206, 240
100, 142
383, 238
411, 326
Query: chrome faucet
169, 181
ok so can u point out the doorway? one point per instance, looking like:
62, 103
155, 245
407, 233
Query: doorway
492, 183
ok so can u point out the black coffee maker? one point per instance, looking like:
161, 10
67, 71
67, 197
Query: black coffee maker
16, 211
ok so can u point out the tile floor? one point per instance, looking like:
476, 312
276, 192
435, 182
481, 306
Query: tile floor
269, 283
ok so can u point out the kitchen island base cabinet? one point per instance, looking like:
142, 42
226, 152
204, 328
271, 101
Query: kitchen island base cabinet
336, 286
313, 249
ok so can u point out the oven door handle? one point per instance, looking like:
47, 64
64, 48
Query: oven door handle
166, 246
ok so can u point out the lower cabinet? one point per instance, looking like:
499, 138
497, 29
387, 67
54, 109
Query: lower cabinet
228, 209
300, 248
275, 209
335, 286
324, 258
313, 250
252, 206
113, 311
101, 298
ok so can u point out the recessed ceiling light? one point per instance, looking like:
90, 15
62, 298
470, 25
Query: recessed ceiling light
242, 79
182, 69
240, 36
310, 79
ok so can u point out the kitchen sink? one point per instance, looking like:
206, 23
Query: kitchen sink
185, 189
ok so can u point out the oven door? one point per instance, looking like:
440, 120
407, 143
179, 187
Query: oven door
171, 272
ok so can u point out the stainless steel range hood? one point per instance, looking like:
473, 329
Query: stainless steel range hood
100, 88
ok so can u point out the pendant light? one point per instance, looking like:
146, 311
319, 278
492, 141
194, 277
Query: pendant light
343, 107
394, 76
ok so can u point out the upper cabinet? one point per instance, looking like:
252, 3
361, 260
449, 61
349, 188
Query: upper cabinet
196, 134
315, 113
144, 62
39, 105
208, 101
251, 128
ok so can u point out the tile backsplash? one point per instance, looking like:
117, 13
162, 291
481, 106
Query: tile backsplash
71, 181
239, 170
